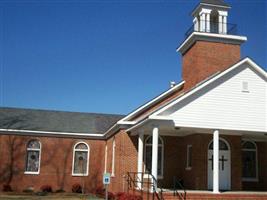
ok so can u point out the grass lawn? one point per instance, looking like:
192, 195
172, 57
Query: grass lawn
64, 196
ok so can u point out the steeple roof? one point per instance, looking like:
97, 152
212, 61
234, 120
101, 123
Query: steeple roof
215, 2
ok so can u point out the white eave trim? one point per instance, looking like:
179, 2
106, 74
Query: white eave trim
209, 36
125, 120
52, 133
137, 125
209, 5
179, 98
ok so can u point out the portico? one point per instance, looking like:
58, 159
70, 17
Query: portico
217, 158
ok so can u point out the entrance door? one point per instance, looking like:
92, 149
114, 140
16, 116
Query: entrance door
224, 166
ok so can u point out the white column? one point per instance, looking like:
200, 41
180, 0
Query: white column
216, 161
140, 158
208, 22
224, 24
155, 138
223, 21
202, 22
195, 21
220, 24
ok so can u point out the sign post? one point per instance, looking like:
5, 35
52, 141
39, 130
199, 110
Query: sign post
106, 182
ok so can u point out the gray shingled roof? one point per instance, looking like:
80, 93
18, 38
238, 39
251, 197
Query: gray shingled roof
57, 121
215, 2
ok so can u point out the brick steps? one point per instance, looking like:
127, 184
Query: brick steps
207, 196
218, 197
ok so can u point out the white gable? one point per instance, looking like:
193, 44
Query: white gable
235, 101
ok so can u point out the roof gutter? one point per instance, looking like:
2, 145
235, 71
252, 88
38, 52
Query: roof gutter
44, 133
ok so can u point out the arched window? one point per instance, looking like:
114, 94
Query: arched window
80, 159
249, 160
148, 155
222, 145
33, 157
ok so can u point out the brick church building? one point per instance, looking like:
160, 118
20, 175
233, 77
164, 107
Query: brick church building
209, 131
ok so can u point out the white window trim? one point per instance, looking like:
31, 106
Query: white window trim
187, 157
161, 176
73, 159
256, 179
33, 149
113, 157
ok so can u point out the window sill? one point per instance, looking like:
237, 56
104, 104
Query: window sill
79, 174
32, 173
188, 168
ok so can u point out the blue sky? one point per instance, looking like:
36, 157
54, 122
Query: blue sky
103, 56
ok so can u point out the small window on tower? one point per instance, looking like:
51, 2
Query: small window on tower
245, 86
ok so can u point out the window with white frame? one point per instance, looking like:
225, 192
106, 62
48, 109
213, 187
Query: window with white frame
80, 159
148, 156
33, 157
189, 157
113, 157
249, 161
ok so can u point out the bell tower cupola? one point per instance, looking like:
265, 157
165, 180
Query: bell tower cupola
211, 17
211, 44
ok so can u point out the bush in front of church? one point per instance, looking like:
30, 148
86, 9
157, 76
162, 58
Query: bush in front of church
7, 188
46, 188
76, 188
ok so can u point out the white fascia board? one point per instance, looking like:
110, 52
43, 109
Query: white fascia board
111, 130
200, 35
260, 132
127, 122
257, 67
137, 125
125, 119
52, 133
176, 124
180, 98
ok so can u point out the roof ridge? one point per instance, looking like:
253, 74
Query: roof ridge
58, 111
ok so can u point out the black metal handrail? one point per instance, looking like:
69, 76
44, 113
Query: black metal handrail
214, 28
178, 186
144, 179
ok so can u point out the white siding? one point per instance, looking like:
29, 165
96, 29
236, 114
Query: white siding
223, 105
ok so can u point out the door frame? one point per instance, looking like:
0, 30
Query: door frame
230, 162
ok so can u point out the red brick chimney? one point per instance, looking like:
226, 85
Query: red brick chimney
211, 45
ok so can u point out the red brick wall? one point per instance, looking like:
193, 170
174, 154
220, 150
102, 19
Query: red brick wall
57, 153
56, 163
206, 58
125, 159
